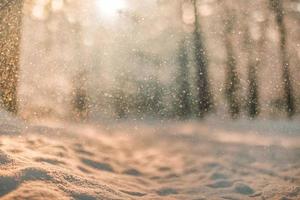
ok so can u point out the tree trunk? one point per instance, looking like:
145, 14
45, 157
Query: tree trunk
253, 63
204, 95
80, 100
252, 101
232, 79
10, 37
183, 106
277, 7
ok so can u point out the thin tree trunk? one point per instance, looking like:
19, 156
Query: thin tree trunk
232, 82
183, 98
253, 63
10, 37
252, 99
204, 95
80, 94
232, 79
277, 7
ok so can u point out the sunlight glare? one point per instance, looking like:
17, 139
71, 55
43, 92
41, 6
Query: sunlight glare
109, 8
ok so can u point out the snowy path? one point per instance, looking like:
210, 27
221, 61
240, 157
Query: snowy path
159, 161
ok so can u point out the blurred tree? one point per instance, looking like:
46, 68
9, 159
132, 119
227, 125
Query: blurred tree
80, 99
252, 96
122, 99
10, 37
183, 107
277, 7
149, 98
204, 95
254, 47
120, 103
232, 80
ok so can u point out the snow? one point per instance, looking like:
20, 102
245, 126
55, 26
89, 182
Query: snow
118, 99
157, 160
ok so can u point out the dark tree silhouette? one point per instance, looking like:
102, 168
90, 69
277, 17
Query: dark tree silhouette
232, 79
204, 95
81, 99
277, 7
149, 98
183, 107
10, 37
253, 95
120, 104
80, 96
253, 63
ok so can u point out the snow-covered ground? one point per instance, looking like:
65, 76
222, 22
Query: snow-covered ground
158, 160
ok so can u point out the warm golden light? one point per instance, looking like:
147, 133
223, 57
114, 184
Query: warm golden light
109, 8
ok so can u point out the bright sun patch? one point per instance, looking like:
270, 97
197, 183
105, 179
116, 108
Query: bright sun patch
109, 8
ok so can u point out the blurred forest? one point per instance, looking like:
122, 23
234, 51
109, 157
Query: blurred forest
179, 59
